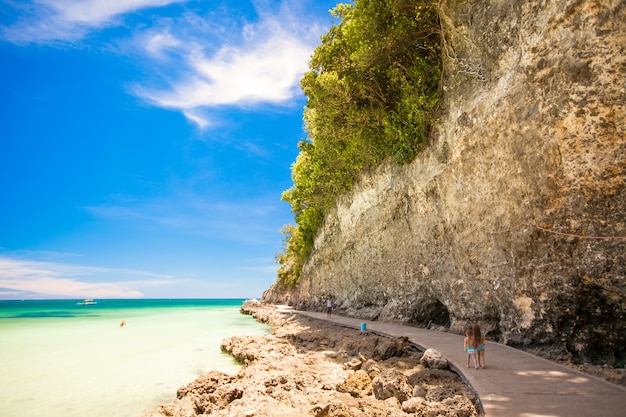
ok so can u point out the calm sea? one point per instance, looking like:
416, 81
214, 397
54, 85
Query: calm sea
62, 359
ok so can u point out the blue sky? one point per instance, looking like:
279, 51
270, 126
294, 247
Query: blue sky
144, 144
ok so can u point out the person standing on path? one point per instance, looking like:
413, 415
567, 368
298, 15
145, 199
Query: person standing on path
480, 345
469, 345
329, 307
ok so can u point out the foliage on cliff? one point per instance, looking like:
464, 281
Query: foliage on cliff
372, 88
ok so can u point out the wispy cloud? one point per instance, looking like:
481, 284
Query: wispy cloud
95, 12
196, 60
253, 149
200, 117
21, 278
265, 69
262, 65
49, 21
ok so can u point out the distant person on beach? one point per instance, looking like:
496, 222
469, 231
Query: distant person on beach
469, 344
122, 323
329, 307
480, 345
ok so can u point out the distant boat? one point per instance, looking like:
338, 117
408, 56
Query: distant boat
87, 302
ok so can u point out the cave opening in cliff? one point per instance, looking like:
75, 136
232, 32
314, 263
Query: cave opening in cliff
433, 313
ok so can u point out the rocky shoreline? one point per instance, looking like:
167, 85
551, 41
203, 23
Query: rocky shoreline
308, 367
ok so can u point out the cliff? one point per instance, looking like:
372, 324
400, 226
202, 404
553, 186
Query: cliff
515, 216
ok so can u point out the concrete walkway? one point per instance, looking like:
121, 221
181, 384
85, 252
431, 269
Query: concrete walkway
513, 383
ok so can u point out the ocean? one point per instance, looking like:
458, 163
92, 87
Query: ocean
114, 358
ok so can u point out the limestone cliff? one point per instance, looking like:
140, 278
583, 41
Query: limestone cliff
499, 221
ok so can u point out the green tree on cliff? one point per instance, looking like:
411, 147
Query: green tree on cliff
372, 89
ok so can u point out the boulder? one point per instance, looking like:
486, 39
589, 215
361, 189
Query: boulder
392, 383
388, 348
413, 405
357, 384
434, 359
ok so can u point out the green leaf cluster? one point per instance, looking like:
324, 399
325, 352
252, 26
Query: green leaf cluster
372, 89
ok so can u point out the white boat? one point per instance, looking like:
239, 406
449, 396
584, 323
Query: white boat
87, 302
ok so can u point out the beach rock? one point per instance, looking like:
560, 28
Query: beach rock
392, 383
415, 404
456, 406
353, 364
419, 391
388, 348
290, 373
437, 385
372, 368
388, 408
358, 384
338, 407
205, 384
434, 359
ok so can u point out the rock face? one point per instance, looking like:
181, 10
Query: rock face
498, 222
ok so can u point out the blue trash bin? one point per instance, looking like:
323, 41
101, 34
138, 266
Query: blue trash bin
363, 327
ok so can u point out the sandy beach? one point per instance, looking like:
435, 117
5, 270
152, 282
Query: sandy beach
308, 367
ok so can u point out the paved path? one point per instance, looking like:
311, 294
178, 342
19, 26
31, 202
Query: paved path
513, 383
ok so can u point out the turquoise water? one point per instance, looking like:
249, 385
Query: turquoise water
59, 358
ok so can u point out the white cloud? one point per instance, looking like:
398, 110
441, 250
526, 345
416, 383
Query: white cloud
96, 12
261, 64
195, 61
46, 21
268, 72
199, 117
156, 45
61, 280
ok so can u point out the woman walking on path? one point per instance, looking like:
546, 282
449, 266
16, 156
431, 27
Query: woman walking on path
469, 344
480, 345
329, 307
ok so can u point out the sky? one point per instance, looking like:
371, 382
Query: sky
145, 144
